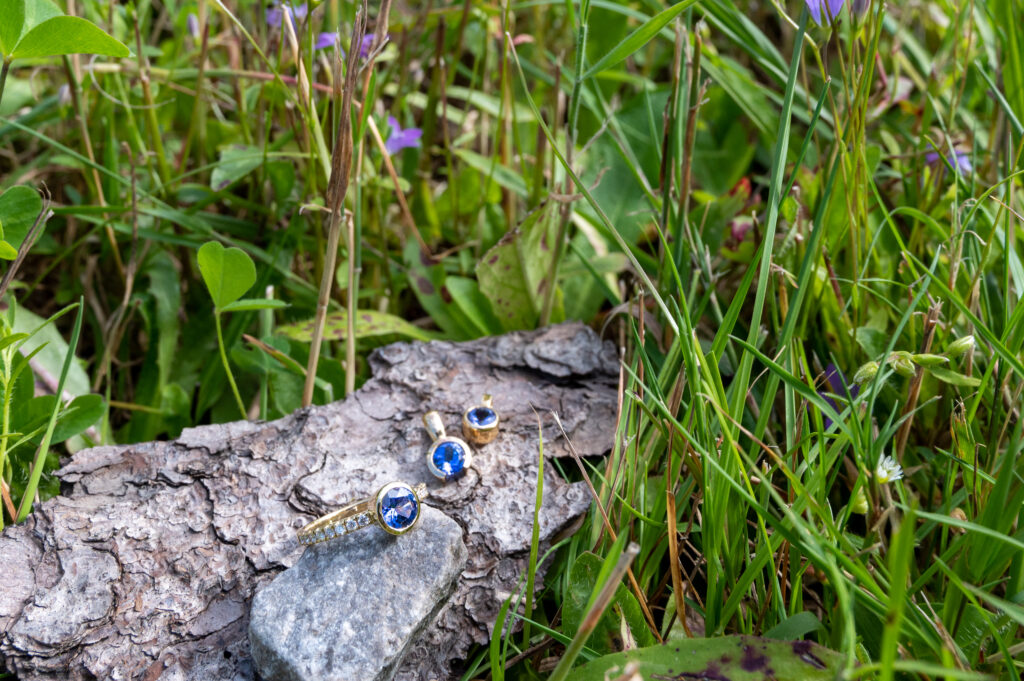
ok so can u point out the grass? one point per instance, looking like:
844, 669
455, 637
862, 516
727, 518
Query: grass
757, 208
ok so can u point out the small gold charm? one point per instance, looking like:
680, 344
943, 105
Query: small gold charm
480, 423
448, 457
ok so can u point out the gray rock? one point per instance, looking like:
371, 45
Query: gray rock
350, 607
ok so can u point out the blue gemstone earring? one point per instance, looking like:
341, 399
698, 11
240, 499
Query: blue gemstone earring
480, 423
448, 457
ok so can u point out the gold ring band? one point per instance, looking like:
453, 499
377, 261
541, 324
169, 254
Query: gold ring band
395, 508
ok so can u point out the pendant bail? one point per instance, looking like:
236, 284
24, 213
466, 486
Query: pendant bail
434, 425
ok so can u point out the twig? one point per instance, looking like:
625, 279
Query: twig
930, 323
337, 187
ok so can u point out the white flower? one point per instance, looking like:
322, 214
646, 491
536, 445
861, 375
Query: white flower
888, 470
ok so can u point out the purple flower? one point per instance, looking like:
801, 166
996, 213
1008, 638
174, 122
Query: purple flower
836, 386
274, 14
192, 22
963, 161
365, 45
824, 11
401, 139
324, 40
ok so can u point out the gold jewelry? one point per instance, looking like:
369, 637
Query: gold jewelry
395, 507
480, 423
448, 457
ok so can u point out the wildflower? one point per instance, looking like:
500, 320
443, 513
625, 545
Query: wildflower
859, 502
831, 7
960, 346
888, 470
325, 40
961, 160
192, 23
401, 139
836, 386
365, 45
866, 372
275, 13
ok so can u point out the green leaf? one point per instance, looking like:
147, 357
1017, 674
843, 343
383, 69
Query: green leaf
235, 163
794, 627
76, 417
38, 11
7, 251
228, 272
52, 349
638, 38
19, 208
12, 338
427, 282
622, 616
738, 658
872, 341
80, 414
12, 18
247, 304
68, 35
368, 323
929, 360
954, 378
466, 295
514, 273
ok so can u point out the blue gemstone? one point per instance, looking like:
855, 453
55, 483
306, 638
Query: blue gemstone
481, 417
399, 508
449, 458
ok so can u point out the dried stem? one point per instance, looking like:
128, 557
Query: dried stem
337, 187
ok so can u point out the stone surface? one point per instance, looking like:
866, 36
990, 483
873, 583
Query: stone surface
146, 566
349, 608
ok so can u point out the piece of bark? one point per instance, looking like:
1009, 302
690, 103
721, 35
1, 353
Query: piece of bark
146, 567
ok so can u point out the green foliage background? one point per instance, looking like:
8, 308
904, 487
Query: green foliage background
806, 237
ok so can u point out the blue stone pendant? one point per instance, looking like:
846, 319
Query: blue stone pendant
480, 423
448, 457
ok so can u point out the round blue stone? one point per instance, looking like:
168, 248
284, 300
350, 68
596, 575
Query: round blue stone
399, 508
481, 417
449, 458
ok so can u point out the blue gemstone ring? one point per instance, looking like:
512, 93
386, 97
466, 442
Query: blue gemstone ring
448, 457
480, 423
395, 508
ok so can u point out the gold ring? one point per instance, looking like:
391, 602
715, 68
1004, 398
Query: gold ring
395, 508
480, 422
448, 457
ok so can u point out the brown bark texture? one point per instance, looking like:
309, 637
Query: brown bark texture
145, 567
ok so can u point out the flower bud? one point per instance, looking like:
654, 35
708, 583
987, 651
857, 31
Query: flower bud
859, 502
866, 372
960, 346
902, 364
926, 360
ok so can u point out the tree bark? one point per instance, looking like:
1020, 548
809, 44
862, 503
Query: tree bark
146, 565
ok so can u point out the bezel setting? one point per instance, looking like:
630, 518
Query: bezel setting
467, 459
379, 500
481, 434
